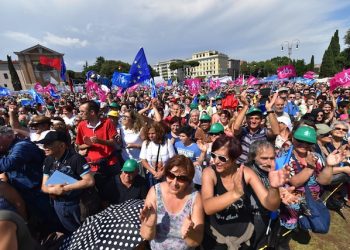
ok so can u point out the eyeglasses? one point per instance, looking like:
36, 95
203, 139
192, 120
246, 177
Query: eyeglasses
179, 178
325, 135
342, 129
292, 97
125, 117
220, 157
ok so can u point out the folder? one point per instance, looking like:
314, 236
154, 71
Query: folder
60, 178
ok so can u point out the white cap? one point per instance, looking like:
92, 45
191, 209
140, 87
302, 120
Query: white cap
286, 120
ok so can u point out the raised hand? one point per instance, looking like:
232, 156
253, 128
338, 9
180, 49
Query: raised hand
287, 195
269, 104
187, 226
243, 99
311, 159
336, 157
148, 216
278, 178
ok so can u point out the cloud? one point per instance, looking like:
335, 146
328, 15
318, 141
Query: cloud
64, 41
22, 37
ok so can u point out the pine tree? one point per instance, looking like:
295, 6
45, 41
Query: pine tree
334, 44
311, 66
16, 83
328, 66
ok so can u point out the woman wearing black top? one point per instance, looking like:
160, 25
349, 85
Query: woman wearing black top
225, 193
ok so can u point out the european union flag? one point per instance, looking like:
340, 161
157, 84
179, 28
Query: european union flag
122, 80
4, 91
139, 70
63, 70
36, 97
53, 94
284, 159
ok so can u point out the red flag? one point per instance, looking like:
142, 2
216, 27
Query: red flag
52, 62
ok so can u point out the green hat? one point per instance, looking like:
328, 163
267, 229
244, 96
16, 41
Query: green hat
322, 129
216, 128
49, 107
218, 97
114, 105
205, 117
305, 133
254, 111
193, 106
203, 97
130, 165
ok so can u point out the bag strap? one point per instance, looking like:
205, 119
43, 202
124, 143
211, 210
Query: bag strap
157, 160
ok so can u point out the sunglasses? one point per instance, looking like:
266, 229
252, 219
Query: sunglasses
342, 129
179, 178
325, 135
304, 142
220, 157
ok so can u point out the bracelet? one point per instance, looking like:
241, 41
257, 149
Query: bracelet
270, 112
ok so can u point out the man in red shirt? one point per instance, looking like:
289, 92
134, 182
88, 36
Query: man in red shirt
98, 138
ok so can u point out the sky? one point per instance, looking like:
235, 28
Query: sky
250, 30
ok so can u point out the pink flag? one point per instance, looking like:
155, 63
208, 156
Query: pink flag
214, 84
252, 80
44, 90
193, 85
132, 88
309, 75
238, 81
286, 71
92, 89
341, 79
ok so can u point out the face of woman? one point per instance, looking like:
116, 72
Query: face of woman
174, 127
126, 119
339, 131
301, 146
177, 180
224, 119
327, 108
152, 134
195, 118
265, 159
319, 117
221, 160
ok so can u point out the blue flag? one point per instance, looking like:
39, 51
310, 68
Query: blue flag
153, 89
4, 91
89, 73
53, 94
170, 82
36, 97
283, 159
63, 70
122, 80
27, 102
139, 69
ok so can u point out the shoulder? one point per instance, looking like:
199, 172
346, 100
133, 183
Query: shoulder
209, 174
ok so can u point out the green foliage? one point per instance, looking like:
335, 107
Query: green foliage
183, 64
347, 38
311, 65
334, 44
300, 67
16, 83
328, 68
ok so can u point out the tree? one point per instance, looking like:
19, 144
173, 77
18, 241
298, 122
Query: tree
16, 83
300, 67
328, 66
347, 38
334, 44
311, 65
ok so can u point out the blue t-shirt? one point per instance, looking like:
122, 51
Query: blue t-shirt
192, 151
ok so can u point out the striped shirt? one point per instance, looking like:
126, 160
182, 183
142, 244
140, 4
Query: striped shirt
247, 138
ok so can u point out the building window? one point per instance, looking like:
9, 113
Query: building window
5, 85
6, 76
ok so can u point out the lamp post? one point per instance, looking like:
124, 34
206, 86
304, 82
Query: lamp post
295, 42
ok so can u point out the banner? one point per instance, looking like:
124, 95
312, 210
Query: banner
341, 79
193, 85
239, 81
52, 62
214, 84
92, 89
286, 71
309, 75
44, 90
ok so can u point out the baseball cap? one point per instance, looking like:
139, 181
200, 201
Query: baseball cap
193, 106
286, 121
113, 113
114, 105
50, 136
216, 128
305, 133
130, 165
203, 97
205, 117
254, 111
322, 129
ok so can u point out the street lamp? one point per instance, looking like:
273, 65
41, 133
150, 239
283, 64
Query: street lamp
290, 46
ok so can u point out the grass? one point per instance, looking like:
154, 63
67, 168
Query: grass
338, 236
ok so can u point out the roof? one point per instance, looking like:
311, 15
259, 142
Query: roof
36, 50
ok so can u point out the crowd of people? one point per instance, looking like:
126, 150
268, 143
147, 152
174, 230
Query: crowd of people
204, 164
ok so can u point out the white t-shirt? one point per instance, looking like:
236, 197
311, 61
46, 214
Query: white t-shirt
69, 121
130, 136
149, 152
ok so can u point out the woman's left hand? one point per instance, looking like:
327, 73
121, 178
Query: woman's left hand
280, 177
187, 226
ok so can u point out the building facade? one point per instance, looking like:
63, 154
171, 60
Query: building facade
211, 63
5, 76
163, 69
29, 69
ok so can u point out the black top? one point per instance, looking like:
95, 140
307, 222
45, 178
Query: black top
120, 193
234, 220
72, 164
